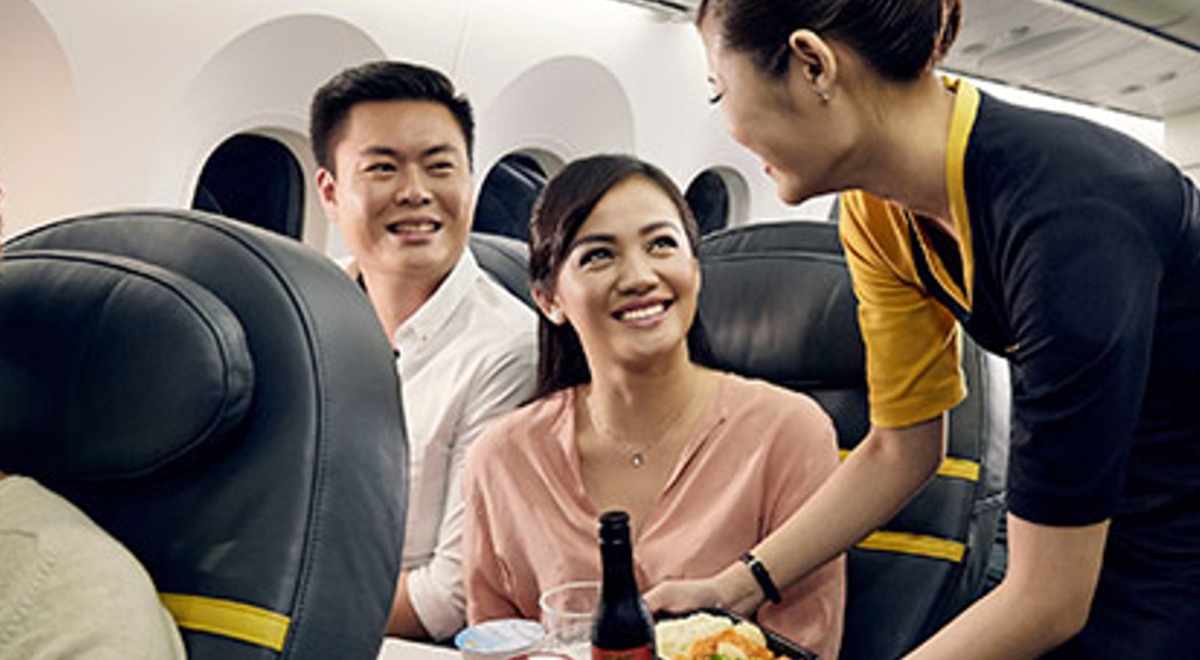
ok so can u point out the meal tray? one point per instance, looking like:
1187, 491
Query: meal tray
778, 644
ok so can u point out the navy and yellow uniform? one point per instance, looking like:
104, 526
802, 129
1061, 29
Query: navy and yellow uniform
1079, 261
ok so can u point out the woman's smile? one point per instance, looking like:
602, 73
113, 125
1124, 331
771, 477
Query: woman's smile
643, 314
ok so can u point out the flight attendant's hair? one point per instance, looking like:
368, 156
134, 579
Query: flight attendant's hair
900, 39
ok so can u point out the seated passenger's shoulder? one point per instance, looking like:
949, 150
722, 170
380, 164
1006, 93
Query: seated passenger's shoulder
789, 430
501, 306
81, 587
759, 397
496, 329
526, 428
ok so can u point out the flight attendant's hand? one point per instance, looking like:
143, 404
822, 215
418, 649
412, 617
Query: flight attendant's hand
732, 589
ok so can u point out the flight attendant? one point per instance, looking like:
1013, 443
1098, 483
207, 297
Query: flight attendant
1069, 249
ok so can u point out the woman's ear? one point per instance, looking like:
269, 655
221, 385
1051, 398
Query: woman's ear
549, 306
817, 63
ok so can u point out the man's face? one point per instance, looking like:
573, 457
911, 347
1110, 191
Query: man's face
402, 191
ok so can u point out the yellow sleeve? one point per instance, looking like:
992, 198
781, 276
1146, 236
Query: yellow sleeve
912, 341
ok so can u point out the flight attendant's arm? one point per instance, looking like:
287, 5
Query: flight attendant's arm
878, 478
1043, 601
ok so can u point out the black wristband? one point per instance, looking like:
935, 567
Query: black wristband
762, 577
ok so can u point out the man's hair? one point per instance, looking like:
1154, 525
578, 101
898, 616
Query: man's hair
381, 81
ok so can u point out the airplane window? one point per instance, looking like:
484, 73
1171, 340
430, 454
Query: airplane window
507, 196
255, 179
709, 198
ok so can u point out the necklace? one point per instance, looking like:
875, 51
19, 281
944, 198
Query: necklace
637, 456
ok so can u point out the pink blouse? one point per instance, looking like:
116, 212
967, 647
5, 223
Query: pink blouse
758, 454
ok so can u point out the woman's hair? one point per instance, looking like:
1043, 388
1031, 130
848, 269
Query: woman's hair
559, 212
899, 38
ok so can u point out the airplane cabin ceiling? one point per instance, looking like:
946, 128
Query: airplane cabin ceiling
1079, 52
1138, 56
1175, 18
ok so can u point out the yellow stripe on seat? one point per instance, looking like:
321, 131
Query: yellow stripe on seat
914, 544
959, 468
955, 468
227, 618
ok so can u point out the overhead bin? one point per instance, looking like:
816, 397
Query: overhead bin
1176, 19
1115, 54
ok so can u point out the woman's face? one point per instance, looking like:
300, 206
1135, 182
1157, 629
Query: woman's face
783, 121
629, 281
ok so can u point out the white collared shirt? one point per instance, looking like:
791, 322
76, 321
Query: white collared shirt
467, 355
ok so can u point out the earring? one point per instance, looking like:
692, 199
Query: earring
556, 317
822, 94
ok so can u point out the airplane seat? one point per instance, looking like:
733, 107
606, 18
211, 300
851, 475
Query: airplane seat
776, 235
799, 329
506, 260
222, 401
507, 196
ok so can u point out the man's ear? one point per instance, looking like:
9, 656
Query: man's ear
815, 61
549, 306
327, 191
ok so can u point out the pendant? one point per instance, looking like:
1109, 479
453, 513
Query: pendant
637, 459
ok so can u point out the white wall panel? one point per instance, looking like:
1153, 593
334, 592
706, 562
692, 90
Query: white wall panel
1183, 142
39, 120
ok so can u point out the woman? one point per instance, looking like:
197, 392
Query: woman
705, 463
1064, 246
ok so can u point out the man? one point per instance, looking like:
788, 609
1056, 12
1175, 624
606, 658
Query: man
67, 589
393, 143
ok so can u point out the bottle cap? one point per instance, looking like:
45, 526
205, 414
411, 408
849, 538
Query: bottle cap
614, 526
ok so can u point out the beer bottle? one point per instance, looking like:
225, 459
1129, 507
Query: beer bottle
621, 627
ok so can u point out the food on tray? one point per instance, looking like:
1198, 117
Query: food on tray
706, 636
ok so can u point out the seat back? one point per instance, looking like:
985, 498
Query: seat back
223, 402
507, 196
798, 328
505, 260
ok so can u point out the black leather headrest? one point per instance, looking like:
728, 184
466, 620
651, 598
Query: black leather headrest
88, 341
784, 236
786, 317
507, 197
506, 260
778, 304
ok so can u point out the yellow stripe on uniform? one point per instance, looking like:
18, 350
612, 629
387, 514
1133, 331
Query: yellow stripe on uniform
914, 544
229, 619
955, 468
